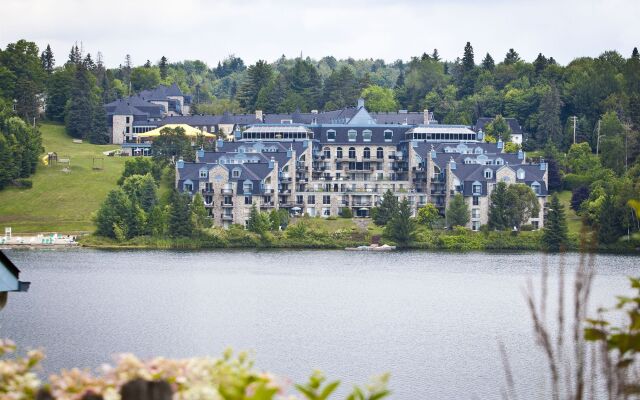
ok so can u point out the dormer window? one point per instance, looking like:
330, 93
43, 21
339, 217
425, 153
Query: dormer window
247, 187
520, 174
478, 150
468, 161
331, 135
499, 161
235, 173
476, 188
366, 135
352, 133
388, 135
535, 186
488, 174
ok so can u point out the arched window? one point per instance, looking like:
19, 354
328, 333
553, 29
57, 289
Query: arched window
367, 152
327, 153
380, 153
352, 133
339, 152
352, 152
366, 135
331, 135
388, 135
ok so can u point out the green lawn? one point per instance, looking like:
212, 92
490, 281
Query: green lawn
574, 222
59, 201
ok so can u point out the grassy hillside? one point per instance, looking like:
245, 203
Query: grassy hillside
61, 201
574, 222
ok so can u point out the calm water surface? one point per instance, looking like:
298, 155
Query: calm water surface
431, 319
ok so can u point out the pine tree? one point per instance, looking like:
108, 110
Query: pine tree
164, 67
555, 236
549, 125
180, 223
99, 133
498, 208
511, 57
258, 222
387, 209
88, 62
467, 76
80, 109
488, 63
75, 55
609, 221
47, 60
401, 227
148, 193
147, 64
258, 76
540, 63
457, 213
199, 213
435, 56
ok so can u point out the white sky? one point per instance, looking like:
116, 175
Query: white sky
388, 29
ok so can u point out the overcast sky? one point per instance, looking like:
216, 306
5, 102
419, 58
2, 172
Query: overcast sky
388, 29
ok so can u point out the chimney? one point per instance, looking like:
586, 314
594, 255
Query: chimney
200, 154
259, 115
180, 163
426, 117
520, 155
314, 112
360, 102
500, 144
272, 163
219, 144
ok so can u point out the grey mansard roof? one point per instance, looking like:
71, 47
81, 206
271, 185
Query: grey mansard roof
377, 134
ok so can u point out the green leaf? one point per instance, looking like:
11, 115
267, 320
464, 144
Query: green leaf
594, 334
326, 392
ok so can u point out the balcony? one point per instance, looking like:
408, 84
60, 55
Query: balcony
267, 205
267, 191
223, 204
227, 217
227, 191
207, 191
362, 204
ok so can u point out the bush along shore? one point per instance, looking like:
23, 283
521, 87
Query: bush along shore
299, 236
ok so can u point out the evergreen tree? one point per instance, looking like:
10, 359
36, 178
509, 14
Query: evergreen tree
549, 125
467, 77
540, 63
499, 129
59, 86
555, 233
435, 56
498, 206
180, 223
457, 213
258, 76
511, 57
47, 60
401, 227
488, 63
148, 195
88, 62
114, 215
609, 221
75, 55
340, 89
80, 109
99, 133
199, 213
164, 67
157, 221
386, 210
147, 64
551, 156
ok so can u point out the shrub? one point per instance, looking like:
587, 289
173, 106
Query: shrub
346, 212
23, 183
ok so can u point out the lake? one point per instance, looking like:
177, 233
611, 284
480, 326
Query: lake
433, 320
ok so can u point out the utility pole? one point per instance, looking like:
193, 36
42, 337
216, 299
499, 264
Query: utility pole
574, 128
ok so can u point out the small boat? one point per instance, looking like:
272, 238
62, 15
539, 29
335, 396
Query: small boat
373, 247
